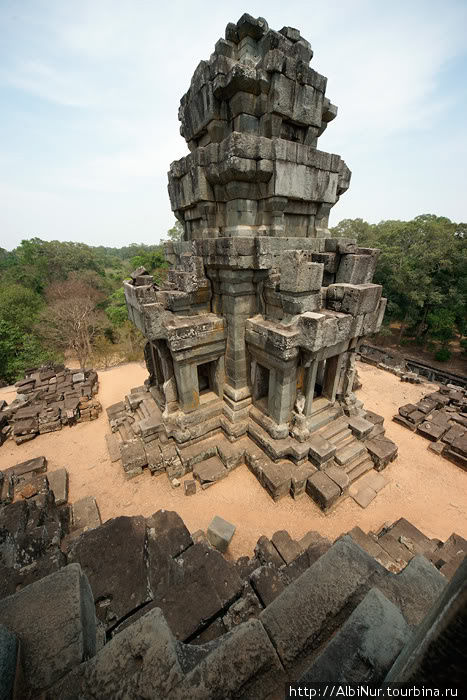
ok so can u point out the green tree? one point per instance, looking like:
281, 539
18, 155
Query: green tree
176, 232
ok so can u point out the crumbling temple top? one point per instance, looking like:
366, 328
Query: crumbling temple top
252, 118
255, 331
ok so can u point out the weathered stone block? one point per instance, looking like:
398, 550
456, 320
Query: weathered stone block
55, 620
267, 584
113, 558
86, 514
133, 458
382, 451
304, 614
220, 533
322, 489
58, 483
189, 487
372, 637
140, 661
298, 274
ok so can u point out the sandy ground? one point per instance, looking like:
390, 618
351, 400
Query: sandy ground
424, 488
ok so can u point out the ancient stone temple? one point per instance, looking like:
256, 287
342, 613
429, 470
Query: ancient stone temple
255, 332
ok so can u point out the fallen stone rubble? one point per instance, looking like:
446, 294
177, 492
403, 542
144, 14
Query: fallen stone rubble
339, 455
47, 399
440, 417
189, 623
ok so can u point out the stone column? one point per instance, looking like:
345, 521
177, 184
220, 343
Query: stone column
186, 376
332, 376
282, 392
239, 304
310, 382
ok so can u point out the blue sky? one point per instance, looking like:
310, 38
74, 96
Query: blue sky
89, 95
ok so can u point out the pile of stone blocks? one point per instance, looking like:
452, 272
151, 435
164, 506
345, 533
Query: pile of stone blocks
47, 399
36, 522
187, 617
440, 417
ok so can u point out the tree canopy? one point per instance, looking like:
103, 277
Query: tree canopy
423, 270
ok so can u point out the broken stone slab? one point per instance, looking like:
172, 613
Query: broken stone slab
220, 533
374, 418
133, 457
140, 661
55, 620
382, 451
374, 549
376, 480
78, 377
24, 470
113, 558
209, 471
370, 639
58, 483
243, 664
267, 554
86, 514
364, 495
170, 532
245, 608
288, 548
199, 574
267, 584
116, 408
323, 490
306, 613
415, 589
113, 447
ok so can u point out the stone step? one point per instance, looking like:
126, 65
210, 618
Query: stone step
323, 418
194, 454
342, 438
320, 404
278, 449
334, 428
349, 452
359, 469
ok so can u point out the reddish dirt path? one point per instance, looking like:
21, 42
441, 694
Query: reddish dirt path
424, 488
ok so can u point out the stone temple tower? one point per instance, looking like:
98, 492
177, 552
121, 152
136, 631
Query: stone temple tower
254, 334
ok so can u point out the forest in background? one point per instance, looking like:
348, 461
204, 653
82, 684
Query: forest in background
58, 298
423, 270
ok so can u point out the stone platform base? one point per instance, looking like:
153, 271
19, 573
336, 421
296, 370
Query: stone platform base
334, 451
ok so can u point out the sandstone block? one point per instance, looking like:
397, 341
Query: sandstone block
220, 533
113, 558
54, 619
